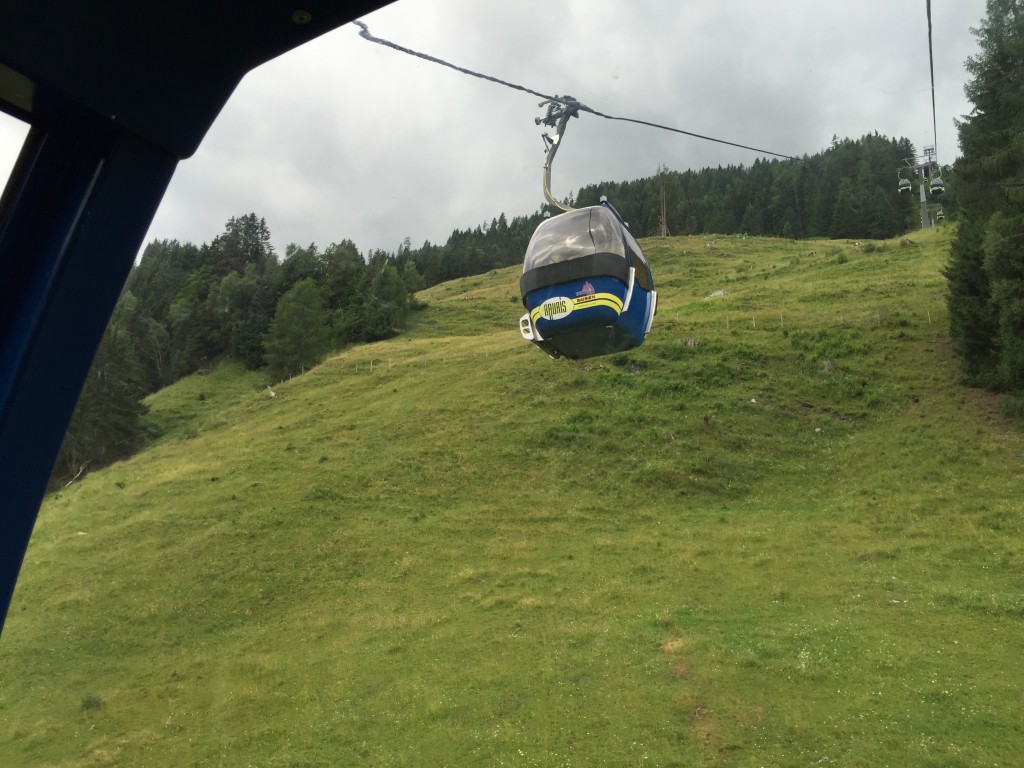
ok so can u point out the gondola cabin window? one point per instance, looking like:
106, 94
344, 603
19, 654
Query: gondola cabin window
12, 137
643, 271
574, 235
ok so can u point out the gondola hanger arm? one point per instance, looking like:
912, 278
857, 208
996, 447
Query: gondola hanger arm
560, 109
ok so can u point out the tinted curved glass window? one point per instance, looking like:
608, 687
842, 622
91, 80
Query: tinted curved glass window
643, 275
12, 136
643, 272
573, 235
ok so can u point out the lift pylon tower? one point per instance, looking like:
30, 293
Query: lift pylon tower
928, 180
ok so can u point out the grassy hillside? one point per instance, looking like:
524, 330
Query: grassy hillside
780, 533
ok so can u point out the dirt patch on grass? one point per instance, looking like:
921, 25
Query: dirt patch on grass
672, 645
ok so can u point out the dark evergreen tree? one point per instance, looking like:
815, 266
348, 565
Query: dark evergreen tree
160, 275
846, 214
986, 270
267, 278
197, 338
232, 302
387, 304
152, 343
245, 240
155, 281
345, 275
1004, 265
301, 264
299, 334
412, 278
106, 423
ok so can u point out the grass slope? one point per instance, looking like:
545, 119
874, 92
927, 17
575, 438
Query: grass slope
780, 533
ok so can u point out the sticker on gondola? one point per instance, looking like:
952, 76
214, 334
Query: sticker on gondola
556, 307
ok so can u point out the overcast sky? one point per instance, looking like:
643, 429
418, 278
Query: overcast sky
346, 139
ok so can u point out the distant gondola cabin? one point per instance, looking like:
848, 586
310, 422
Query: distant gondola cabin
586, 286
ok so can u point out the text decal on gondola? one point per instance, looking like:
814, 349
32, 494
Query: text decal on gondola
557, 307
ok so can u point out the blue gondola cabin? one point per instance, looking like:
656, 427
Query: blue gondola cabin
586, 286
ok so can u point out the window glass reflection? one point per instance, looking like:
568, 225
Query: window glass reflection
12, 136
573, 235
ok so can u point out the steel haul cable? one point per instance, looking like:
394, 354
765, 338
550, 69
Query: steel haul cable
931, 68
366, 35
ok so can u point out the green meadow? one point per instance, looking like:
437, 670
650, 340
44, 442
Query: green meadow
781, 533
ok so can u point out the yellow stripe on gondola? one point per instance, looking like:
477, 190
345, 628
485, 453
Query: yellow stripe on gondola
609, 300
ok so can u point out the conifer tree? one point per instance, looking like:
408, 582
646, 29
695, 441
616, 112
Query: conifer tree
411, 277
299, 334
106, 425
986, 270
387, 303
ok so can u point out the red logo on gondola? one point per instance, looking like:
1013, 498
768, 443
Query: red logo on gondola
588, 290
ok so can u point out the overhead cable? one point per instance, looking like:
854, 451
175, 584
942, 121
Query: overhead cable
366, 35
931, 68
